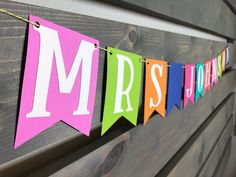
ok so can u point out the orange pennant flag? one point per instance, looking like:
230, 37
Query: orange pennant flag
223, 60
155, 88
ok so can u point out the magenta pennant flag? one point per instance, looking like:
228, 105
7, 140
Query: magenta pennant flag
207, 76
189, 84
59, 80
214, 71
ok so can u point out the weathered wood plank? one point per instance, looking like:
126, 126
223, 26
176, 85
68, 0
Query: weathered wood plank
212, 15
220, 169
219, 151
60, 140
194, 158
231, 4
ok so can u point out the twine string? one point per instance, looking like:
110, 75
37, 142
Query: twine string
20, 18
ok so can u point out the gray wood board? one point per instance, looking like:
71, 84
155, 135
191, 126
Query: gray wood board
213, 16
194, 158
231, 4
144, 41
196, 146
220, 169
219, 151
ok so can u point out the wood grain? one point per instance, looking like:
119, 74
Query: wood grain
220, 169
212, 16
218, 152
194, 158
124, 151
231, 4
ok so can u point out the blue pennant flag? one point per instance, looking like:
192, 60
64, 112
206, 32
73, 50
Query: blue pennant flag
175, 81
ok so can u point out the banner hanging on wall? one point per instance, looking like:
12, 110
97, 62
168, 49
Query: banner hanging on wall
60, 80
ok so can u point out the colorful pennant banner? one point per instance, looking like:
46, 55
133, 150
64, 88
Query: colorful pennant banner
61, 73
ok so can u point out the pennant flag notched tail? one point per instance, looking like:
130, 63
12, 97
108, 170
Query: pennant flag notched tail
207, 76
199, 81
155, 88
175, 81
189, 84
124, 74
59, 80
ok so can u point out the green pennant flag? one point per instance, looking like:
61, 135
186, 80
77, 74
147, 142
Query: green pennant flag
124, 75
219, 64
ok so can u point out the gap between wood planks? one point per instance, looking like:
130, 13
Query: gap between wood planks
112, 12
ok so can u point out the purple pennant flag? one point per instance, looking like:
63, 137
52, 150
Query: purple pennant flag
214, 71
227, 55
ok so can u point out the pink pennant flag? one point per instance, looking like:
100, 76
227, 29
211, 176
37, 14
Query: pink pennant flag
207, 76
59, 80
189, 84
214, 71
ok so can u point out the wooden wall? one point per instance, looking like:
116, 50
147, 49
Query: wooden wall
213, 16
191, 141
